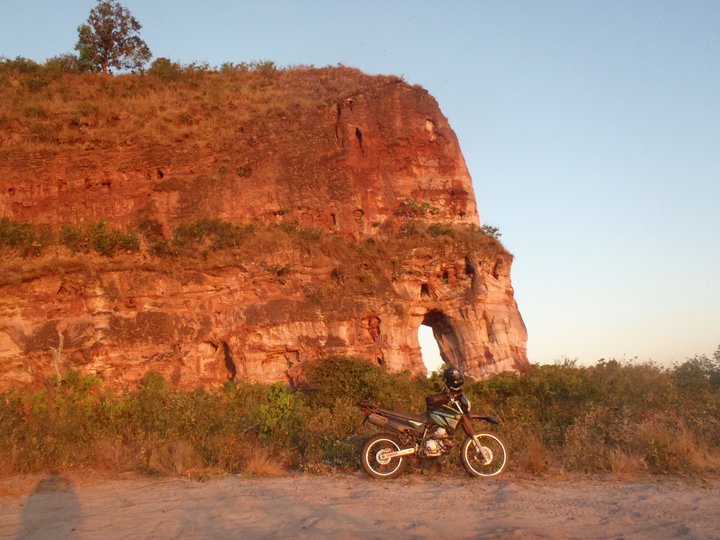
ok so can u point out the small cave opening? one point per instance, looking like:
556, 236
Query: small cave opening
424, 291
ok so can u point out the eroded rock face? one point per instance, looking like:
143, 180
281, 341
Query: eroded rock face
345, 165
379, 158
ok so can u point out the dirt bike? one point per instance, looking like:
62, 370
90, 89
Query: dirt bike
430, 435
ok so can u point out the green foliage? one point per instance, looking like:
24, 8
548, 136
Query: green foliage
35, 77
356, 380
99, 237
272, 417
64, 63
209, 234
29, 239
165, 69
19, 65
410, 208
491, 231
111, 39
699, 372
610, 417
436, 230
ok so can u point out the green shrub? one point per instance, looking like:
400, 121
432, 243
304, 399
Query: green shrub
29, 239
100, 237
410, 208
64, 63
491, 231
209, 234
165, 69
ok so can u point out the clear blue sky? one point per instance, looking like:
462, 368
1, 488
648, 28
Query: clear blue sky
591, 130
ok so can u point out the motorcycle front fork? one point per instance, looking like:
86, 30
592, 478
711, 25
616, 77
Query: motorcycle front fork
484, 452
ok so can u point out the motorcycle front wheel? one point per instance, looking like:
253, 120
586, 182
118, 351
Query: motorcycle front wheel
490, 461
374, 462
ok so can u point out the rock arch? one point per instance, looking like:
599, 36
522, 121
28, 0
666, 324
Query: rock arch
451, 348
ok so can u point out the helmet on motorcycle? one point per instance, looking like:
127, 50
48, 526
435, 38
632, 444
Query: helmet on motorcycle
454, 379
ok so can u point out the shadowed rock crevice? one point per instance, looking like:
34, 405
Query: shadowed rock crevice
229, 361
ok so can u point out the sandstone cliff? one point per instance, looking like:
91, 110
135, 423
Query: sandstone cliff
352, 215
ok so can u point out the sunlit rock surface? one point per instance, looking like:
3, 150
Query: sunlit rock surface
358, 158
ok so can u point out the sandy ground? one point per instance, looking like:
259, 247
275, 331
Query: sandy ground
352, 506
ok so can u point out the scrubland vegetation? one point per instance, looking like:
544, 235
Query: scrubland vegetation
53, 108
607, 418
201, 237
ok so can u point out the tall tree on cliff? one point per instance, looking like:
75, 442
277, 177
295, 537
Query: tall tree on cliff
110, 39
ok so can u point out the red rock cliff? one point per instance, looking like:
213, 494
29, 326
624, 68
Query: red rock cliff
365, 227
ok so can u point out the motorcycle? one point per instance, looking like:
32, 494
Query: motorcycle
430, 435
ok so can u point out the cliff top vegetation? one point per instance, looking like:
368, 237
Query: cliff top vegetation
54, 106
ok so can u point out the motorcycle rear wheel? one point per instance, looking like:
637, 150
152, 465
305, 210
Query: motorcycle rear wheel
372, 457
490, 464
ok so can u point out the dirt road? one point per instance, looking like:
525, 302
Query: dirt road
352, 506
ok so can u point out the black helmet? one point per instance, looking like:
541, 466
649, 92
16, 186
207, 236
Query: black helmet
454, 379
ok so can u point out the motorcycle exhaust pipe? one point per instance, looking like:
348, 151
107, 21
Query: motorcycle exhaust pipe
385, 422
405, 452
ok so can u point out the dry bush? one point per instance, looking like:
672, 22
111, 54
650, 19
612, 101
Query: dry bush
668, 446
594, 440
113, 453
625, 465
174, 457
533, 457
258, 460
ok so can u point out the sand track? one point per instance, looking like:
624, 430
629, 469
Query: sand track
352, 506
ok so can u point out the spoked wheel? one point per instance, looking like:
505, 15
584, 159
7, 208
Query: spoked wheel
490, 460
373, 457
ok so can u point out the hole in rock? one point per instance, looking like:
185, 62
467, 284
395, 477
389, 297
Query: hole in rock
469, 267
439, 330
424, 291
359, 137
229, 361
429, 348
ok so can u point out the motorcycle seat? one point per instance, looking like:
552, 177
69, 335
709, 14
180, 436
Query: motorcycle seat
406, 416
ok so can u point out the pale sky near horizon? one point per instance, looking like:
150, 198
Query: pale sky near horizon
591, 131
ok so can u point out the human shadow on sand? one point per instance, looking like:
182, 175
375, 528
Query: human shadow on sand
52, 510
